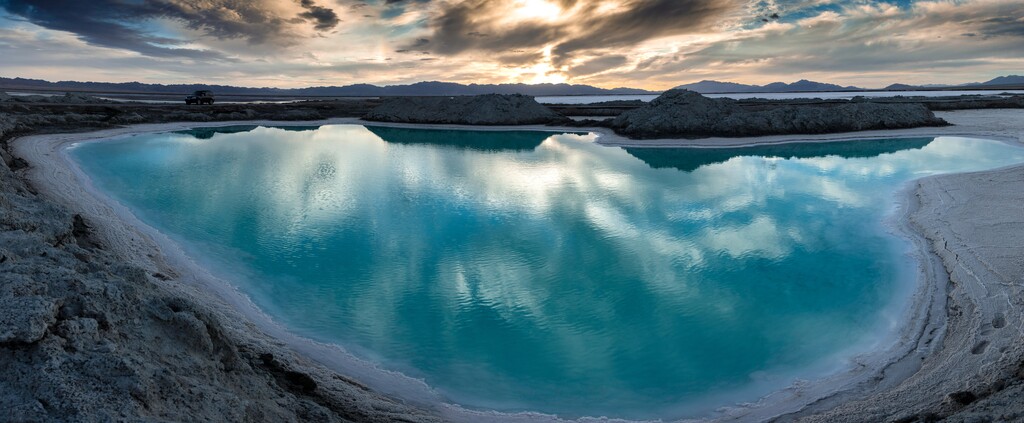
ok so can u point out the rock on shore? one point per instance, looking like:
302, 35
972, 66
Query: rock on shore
489, 109
686, 114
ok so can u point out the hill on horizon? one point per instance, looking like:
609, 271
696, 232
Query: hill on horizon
803, 85
1007, 81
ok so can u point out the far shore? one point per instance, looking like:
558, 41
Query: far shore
967, 292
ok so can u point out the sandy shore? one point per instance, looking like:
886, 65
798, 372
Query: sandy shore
963, 333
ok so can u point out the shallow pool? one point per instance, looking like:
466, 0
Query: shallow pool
544, 272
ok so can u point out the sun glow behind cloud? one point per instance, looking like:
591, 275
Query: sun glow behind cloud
536, 9
542, 72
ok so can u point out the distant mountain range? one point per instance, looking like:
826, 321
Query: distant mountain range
432, 88
1008, 82
803, 85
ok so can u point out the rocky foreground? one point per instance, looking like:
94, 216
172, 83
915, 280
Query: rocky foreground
686, 114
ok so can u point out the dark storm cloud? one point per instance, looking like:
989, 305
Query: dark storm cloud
458, 28
323, 18
1012, 26
123, 25
101, 23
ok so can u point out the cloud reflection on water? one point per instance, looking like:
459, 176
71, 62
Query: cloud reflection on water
555, 269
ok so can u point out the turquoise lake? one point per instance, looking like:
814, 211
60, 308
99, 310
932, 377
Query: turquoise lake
542, 271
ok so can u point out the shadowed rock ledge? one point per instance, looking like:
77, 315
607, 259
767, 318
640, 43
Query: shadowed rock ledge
686, 114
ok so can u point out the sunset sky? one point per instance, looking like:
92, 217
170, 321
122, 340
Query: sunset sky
654, 44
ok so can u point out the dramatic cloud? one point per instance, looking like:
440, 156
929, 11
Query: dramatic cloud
643, 20
134, 25
653, 44
863, 39
567, 27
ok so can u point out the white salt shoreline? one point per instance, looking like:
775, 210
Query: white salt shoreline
55, 175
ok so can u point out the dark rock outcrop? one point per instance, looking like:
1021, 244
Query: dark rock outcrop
490, 109
686, 114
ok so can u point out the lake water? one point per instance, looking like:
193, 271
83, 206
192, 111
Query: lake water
544, 272
827, 95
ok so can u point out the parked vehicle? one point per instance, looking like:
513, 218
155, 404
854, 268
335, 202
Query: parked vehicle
200, 97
